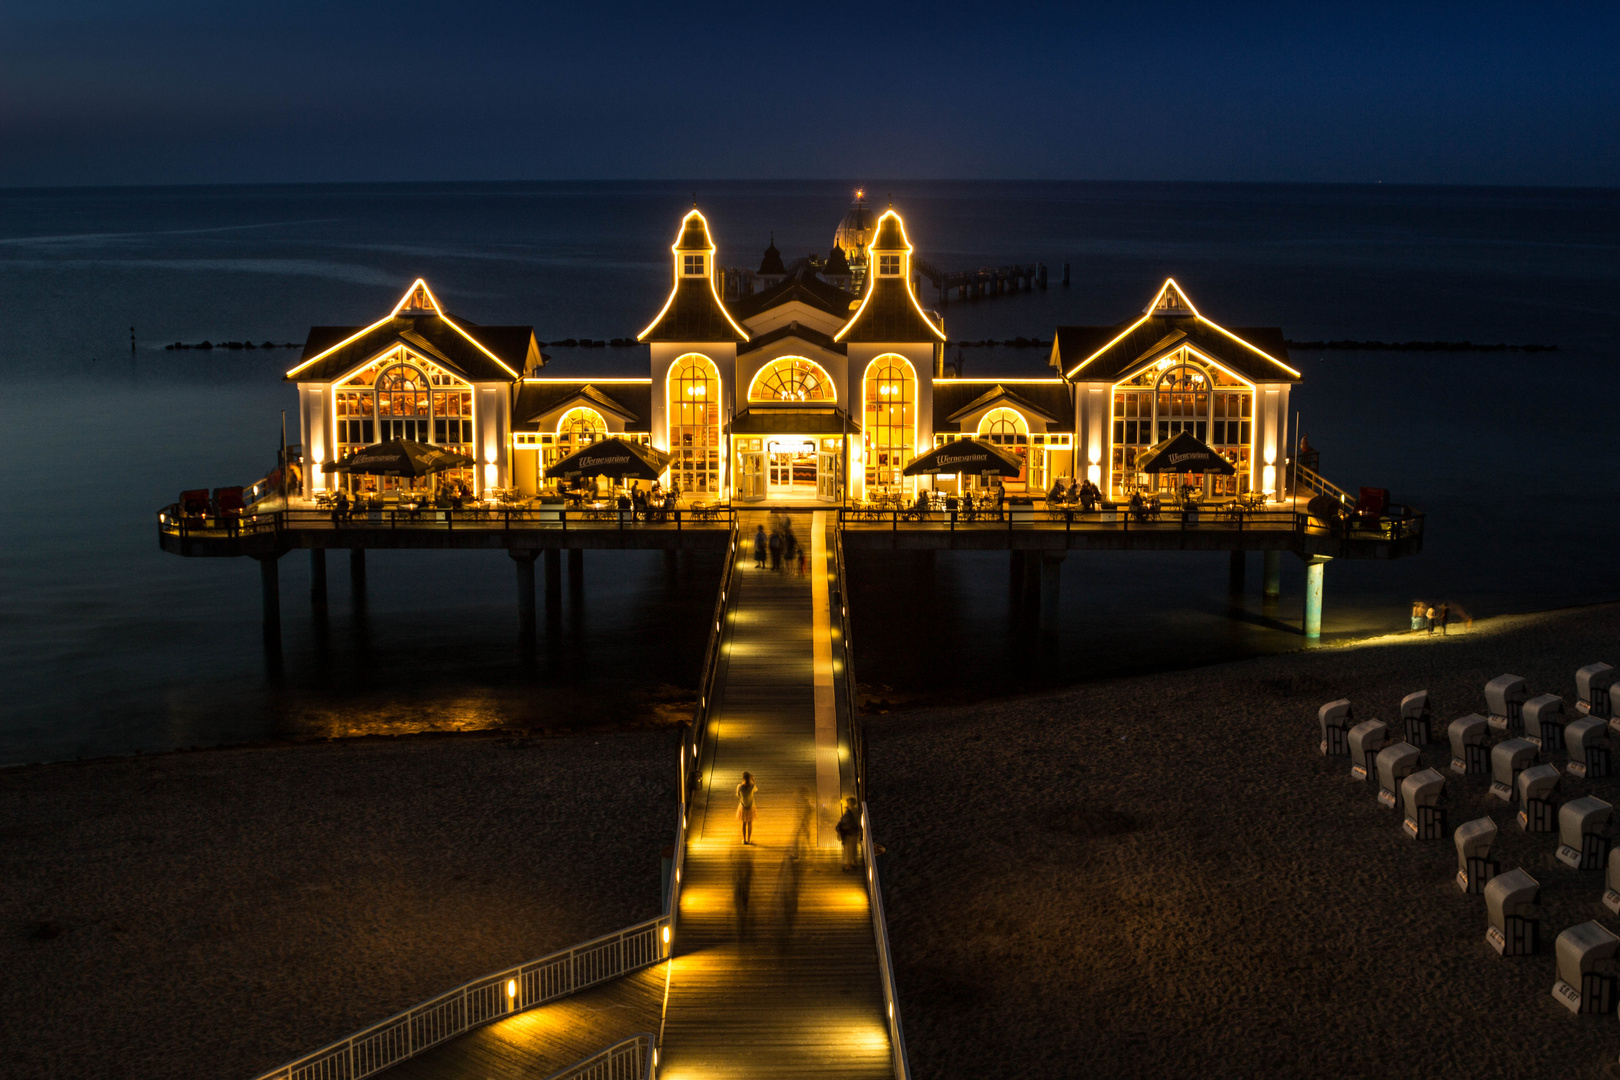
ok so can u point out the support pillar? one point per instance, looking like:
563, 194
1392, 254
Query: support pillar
1273, 574
357, 571
1314, 568
1015, 577
1032, 582
1237, 571
1051, 574
553, 580
525, 588
270, 588
317, 576
576, 586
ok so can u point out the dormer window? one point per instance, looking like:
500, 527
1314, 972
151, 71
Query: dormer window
889, 265
693, 265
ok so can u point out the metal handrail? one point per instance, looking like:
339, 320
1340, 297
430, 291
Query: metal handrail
857, 737
880, 926
173, 521
628, 1059
1317, 483
1123, 519
480, 1002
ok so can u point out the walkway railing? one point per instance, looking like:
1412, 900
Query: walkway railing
880, 927
172, 521
1399, 523
483, 1001
1316, 483
631, 1059
845, 654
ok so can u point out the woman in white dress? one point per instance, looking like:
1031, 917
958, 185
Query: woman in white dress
747, 791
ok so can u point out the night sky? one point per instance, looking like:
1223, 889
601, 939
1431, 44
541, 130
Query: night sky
198, 91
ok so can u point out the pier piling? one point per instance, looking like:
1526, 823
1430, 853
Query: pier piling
1314, 572
1051, 575
270, 586
357, 571
1237, 572
1273, 574
553, 580
524, 561
317, 576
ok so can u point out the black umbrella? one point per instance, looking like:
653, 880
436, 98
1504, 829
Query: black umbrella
613, 457
401, 457
1182, 453
966, 456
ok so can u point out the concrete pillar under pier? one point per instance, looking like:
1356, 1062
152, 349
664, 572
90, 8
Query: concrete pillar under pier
1051, 576
317, 576
1015, 578
1315, 568
357, 571
1273, 574
1237, 571
553, 580
270, 588
576, 587
525, 588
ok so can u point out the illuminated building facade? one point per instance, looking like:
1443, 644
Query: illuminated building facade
807, 391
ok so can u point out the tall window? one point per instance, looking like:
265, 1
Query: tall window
890, 418
693, 265
578, 428
1175, 395
793, 378
403, 396
694, 424
1008, 429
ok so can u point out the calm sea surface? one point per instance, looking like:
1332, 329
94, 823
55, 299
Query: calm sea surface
107, 645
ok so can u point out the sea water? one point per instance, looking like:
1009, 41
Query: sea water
107, 645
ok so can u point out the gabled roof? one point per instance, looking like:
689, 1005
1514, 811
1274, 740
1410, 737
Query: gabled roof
694, 311
889, 311
631, 399
998, 393
803, 286
1049, 399
794, 330
476, 353
1108, 353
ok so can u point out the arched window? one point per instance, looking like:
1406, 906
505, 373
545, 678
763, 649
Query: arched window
890, 419
578, 428
694, 424
793, 378
1008, 429
403, 396
1180, 393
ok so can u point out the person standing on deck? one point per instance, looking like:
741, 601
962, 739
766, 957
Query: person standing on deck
802, 839
747, 792
759, 548
849, 833
776, 551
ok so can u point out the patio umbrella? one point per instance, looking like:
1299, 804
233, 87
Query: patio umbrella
1182, 453
618, 458
401, 457
966, 456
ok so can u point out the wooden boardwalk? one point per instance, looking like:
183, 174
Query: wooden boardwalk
776, 969
775, 972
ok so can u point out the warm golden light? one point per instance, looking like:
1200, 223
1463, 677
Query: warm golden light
905, 278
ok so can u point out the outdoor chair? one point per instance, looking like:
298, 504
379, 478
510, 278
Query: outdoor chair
1544, 721
1509, 758
1395, 763
1475, 867
1586, 969
1513, 927
1420, 796
1583, 823
1469, 736
1592, 686
1538, 813
1588, 742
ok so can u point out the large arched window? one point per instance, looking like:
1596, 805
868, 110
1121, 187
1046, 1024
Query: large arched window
1181, 393
1008, 429
793, 378
890, 419
403, 396
694, 424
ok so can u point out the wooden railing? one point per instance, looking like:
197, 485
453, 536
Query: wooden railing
172, 521
630, 1059
482, 1001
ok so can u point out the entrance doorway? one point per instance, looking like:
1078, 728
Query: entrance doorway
792, 469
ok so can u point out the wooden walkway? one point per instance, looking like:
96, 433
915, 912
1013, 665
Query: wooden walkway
775, 972
776, 969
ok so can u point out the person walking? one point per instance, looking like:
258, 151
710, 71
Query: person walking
1442, 613
747, 792
1418, 609
759, 548
776, 551
849, 833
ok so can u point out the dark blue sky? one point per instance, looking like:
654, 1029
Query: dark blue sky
199, 91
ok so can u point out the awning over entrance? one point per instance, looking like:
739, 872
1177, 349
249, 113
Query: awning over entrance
966, 456
613, 457
823, 421
1182, 453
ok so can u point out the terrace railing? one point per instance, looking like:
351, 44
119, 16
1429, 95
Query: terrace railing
844, 653
482, 1001
173, 521
631, 1059
1398, 523
1314, 482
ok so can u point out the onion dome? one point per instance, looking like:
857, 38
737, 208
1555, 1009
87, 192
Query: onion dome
855, 231
772, 262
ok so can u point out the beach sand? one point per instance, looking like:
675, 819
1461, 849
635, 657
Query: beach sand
1161, 877
215, 914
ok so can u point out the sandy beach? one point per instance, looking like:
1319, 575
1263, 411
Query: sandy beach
1150, 877
1161, 877
214, 914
